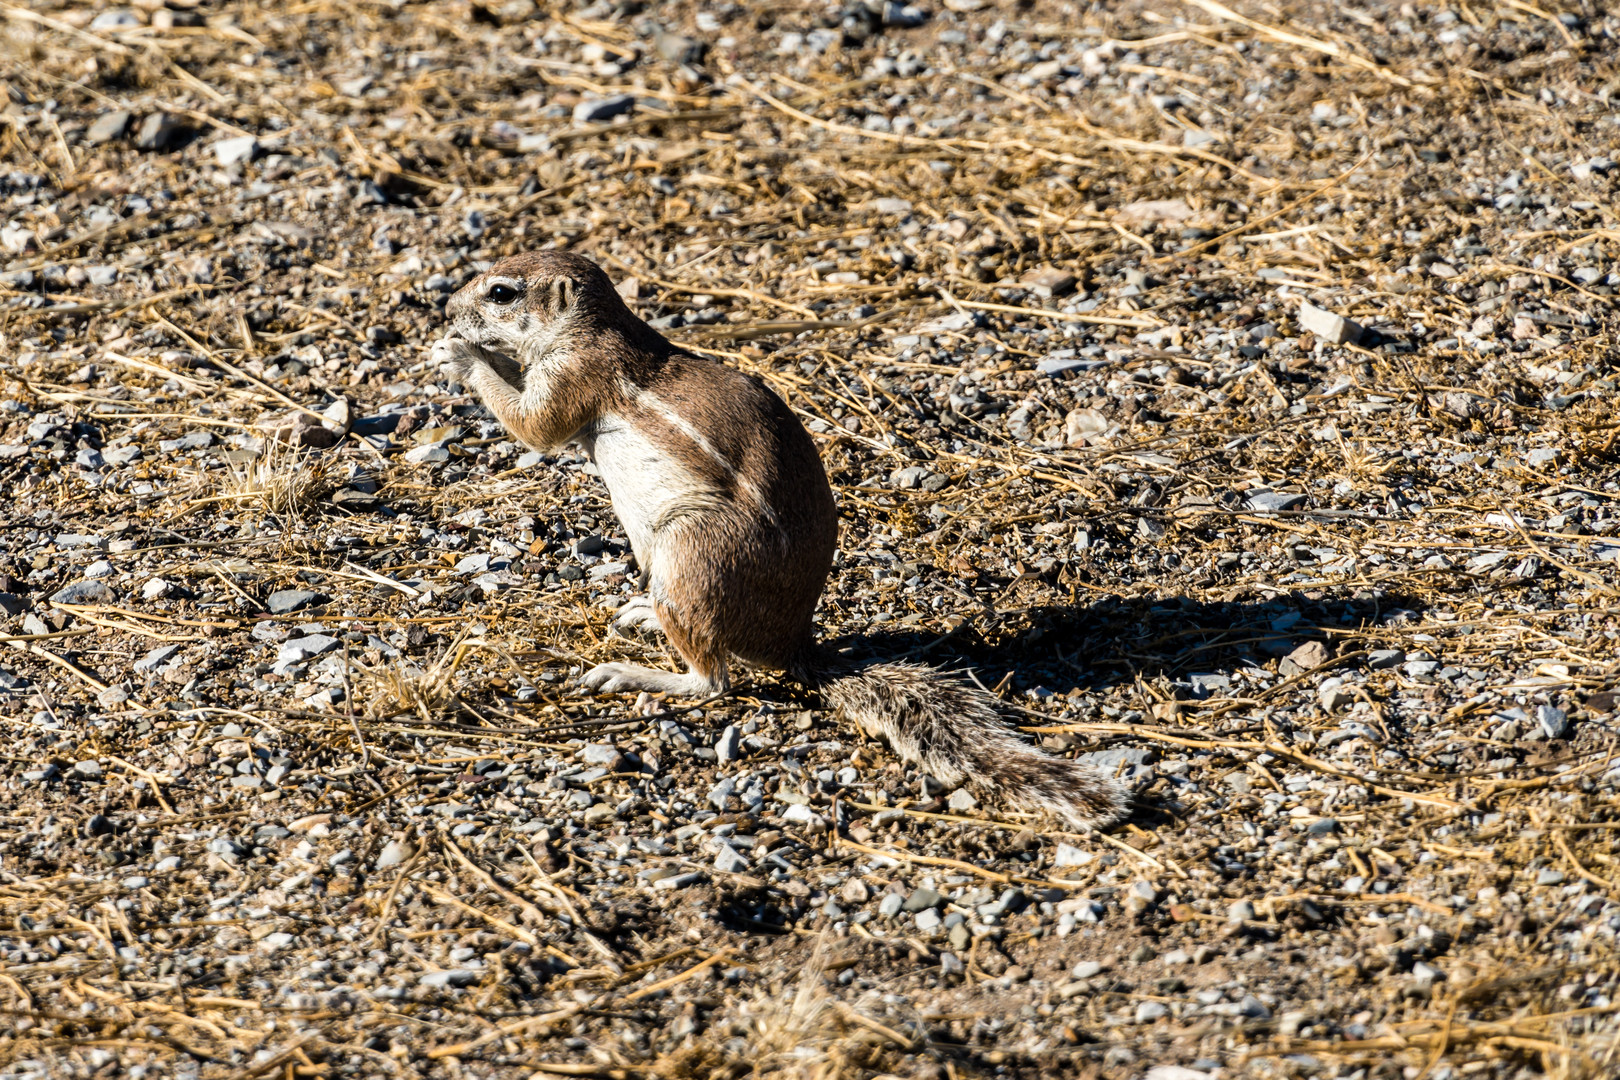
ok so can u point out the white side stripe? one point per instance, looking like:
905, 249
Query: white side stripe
653, 403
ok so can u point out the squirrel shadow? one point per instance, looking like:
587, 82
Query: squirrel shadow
1116, 640
1194, 645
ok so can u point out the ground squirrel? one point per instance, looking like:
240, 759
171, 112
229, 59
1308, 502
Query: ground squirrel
730, 515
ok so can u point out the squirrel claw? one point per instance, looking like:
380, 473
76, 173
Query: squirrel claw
637, 614
448, 352
610, 678
619, 678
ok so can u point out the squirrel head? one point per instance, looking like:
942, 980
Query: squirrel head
525, 305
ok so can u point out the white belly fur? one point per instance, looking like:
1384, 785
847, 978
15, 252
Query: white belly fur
649, 487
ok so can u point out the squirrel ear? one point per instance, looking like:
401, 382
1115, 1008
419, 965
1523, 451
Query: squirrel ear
562, 295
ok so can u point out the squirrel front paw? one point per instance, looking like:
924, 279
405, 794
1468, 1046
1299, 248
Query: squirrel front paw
455, 357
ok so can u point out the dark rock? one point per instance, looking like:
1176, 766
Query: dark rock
360, 502
1276, 500
287, 601
156, 658
1605, 701
600, 110
298, 650
378, 425
84, 592
922, 899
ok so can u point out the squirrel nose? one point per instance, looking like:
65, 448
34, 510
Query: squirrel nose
458, 301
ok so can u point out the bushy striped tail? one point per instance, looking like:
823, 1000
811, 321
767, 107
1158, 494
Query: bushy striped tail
955, 731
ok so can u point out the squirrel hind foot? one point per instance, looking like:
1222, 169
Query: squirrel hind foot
623, 678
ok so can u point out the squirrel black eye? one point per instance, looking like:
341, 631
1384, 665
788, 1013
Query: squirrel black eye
502, 294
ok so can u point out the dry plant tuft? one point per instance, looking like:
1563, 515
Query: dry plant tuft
404, 687
282, 480
803, 1036
795, 1035
700, 1060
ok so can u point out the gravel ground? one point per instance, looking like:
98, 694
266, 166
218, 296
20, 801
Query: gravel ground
1230, 390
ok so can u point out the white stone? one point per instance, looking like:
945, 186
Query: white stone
156, 658
1332, 328
1149, 1011
804, 815
229, 151
394, 853
118, 19
730, 860
424, 454
728, 747
1069, 855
